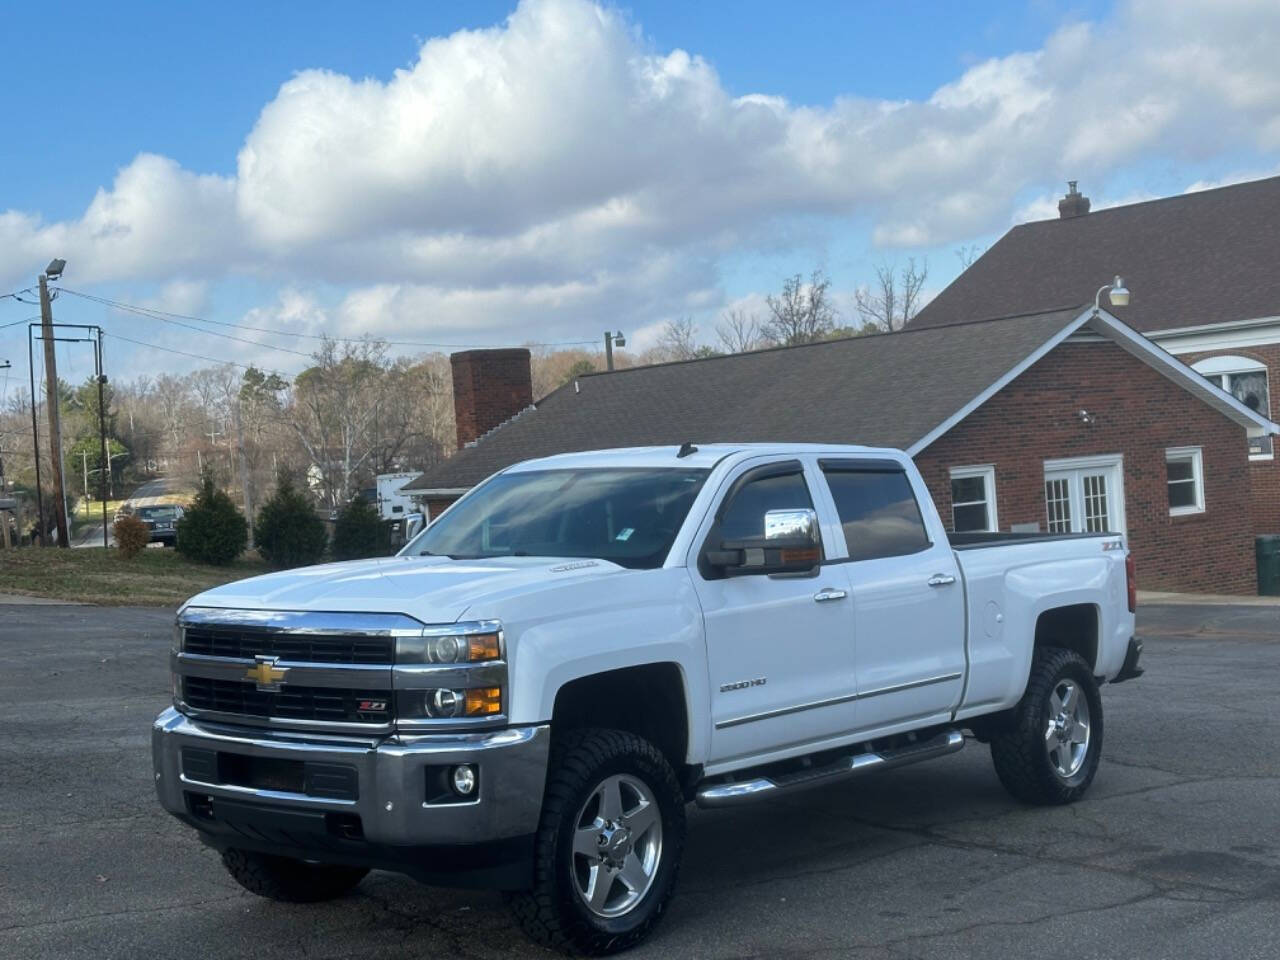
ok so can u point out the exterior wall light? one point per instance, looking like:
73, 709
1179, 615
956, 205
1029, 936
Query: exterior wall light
1117, 293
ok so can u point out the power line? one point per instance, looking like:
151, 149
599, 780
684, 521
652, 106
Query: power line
6, 326
183, 353
157, 315
167, 316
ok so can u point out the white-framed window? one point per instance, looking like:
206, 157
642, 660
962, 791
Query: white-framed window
1185, 468
1085, 494
973, 499
1245, 379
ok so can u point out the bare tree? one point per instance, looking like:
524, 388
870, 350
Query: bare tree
738, 331
333, 406
678, 340
802, 313
895, 298
968, 253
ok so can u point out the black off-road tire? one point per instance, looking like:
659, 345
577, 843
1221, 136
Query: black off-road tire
552, 912
1019, 751
289, 880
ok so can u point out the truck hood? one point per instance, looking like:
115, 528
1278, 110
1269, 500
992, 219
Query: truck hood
432, 589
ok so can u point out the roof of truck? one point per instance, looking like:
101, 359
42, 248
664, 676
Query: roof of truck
704, 456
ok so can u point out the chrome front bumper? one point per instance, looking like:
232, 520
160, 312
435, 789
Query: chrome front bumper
389, 795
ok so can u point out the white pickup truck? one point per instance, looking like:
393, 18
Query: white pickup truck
527, 696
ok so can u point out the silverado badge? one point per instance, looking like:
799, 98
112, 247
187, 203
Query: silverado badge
264, 672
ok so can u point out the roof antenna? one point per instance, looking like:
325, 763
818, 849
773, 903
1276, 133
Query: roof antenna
686, 448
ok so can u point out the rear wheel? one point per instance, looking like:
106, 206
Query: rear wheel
289, 880
1049, 752
608, 846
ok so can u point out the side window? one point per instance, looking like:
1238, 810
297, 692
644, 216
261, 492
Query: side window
878, 511
743, 515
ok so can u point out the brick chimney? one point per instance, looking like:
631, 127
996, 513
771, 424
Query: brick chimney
1074, 204
489, 388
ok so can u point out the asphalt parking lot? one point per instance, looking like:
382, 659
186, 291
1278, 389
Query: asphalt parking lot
1174, 853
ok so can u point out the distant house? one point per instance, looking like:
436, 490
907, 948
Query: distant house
1060, 420
1204, 269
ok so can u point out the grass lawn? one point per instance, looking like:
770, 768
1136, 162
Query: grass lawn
155, 577
92, 509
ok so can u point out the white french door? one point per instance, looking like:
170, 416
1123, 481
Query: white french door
1084, 495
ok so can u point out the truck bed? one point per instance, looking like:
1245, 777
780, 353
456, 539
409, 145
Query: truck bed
974, 541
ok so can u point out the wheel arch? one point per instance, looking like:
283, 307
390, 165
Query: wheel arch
1073, 626
650, 700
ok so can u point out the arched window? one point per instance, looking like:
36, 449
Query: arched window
1246, 380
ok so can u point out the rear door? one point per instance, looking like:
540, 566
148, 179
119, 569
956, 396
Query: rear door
779, 647
908, 600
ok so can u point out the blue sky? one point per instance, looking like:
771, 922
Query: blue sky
315, 167
188, 80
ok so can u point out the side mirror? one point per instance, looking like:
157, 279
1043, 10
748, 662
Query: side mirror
790, 544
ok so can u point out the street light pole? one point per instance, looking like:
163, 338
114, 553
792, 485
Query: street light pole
51, 398
610, 339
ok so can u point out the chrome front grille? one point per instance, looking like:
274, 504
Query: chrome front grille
365, 673
247, 644
299, 703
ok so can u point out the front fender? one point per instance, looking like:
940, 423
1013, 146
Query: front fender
577, 630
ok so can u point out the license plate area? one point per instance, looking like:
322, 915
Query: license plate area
262, 773
311, 778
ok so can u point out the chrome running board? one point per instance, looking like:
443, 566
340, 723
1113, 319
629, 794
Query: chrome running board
760, 788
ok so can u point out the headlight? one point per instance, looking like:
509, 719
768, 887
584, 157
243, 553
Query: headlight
473, 642
446, 703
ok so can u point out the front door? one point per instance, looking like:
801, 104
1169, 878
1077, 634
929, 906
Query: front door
1084, 495
779, 647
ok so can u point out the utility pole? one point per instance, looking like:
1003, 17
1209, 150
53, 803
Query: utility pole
84, 456
102, 436
51, 398
35, 442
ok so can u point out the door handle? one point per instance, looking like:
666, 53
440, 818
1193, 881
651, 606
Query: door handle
941, 580
822, 596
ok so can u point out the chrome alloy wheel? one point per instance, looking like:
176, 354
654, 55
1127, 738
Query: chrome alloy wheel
1066, 736
617, 845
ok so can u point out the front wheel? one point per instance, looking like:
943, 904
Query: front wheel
608, 846
1050, 750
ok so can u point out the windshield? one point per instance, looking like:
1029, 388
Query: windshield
158, 513
627, 516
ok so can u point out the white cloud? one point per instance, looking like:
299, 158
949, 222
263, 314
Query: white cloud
187, 297
156, 220
555, 171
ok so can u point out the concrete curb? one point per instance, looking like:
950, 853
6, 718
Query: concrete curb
21, 600
1205, 599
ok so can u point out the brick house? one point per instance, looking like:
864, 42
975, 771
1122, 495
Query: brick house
1061, 420
1204, 269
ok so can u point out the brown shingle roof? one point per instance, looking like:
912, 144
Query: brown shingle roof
886, 390
1199, 258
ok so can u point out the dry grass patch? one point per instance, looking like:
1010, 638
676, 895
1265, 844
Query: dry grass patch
155, 577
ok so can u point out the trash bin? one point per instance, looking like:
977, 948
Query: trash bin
1268, 554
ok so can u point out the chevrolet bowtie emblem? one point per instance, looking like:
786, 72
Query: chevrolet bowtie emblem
266, 674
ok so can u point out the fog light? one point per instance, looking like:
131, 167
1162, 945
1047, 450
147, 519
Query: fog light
464, 780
